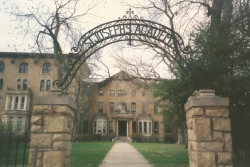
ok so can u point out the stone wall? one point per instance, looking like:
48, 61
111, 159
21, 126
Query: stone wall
51, 126
209, 130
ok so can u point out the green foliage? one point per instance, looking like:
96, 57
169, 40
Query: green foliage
163, 155
220, 63
89, 154
137, 136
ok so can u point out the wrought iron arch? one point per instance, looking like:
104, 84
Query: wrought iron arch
128, 28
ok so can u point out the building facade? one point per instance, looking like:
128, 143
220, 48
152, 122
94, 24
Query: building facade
121, 105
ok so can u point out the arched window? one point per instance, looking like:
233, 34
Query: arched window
19, 83
1, 84
48, 85
23, 68
46, 68
42, 85
25, 84
2, 66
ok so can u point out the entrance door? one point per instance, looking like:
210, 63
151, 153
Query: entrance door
122, 128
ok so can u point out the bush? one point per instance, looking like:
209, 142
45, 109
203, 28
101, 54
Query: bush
154, 139
137, 137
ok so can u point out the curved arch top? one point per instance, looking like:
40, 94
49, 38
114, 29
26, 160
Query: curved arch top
125, 29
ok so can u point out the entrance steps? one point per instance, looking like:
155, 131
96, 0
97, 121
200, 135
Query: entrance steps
123, 139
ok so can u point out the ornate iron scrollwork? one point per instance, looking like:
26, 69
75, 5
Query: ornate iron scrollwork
128, 28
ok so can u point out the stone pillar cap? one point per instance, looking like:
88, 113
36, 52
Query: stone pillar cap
205, 97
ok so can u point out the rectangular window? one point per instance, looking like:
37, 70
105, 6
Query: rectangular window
19, 124
100, 107
94, 126
86, 107
10, 102
149, 127
22, 102
155, 108
16, 102
110, 126
155, 127
140, 127
104, 127
112, 93
144, 127
134, 126
85, 126
1, 84
111, 107
101, 92
99, 126
144, 111
133, 107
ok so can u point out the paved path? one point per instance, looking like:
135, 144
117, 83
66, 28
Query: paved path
122, 154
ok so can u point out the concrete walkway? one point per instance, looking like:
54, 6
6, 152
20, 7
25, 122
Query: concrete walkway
124, 155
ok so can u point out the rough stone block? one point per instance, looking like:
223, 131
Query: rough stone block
38, 163
61, 137
56, 123
63, 109
218, 113
36, 120
41, 140
194, 112
207, 146
32, 157
228, 146
191, 135
217, 135
222, 124
228, 137
39, 155
42, 109
59, 145
225, 158
68, 149
53, 158
205, 159
202, 129
36, 128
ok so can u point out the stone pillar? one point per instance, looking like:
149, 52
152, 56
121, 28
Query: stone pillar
51, 125
209, 130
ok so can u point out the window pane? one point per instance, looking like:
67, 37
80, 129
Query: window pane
104, 126
156, 127
94, 126
149, 127
42, 85
19, 83
111, 107
112, 93
85, 126
48, 85
133, 107
11, 123
16, 102
10, 102
23, 68
110, 126
134, 126
25, 84
140, 127
1, 84
155, 108
2, 66
22, 102
145, 127
46, 68
19, 124
101, 92
100, 108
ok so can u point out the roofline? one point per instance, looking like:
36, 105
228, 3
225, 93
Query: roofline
27, 55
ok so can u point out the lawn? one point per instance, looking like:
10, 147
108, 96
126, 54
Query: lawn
89, 154
163, 155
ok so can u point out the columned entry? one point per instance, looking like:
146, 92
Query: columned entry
122, 128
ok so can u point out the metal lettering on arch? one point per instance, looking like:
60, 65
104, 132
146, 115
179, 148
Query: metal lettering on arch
128, 28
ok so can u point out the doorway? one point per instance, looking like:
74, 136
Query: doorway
122, 127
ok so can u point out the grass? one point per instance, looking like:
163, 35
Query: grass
163, 155
89, 154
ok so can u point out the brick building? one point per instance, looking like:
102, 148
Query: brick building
121, 105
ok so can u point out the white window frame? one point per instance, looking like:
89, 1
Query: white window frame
146, 127
101, 126
17, 101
